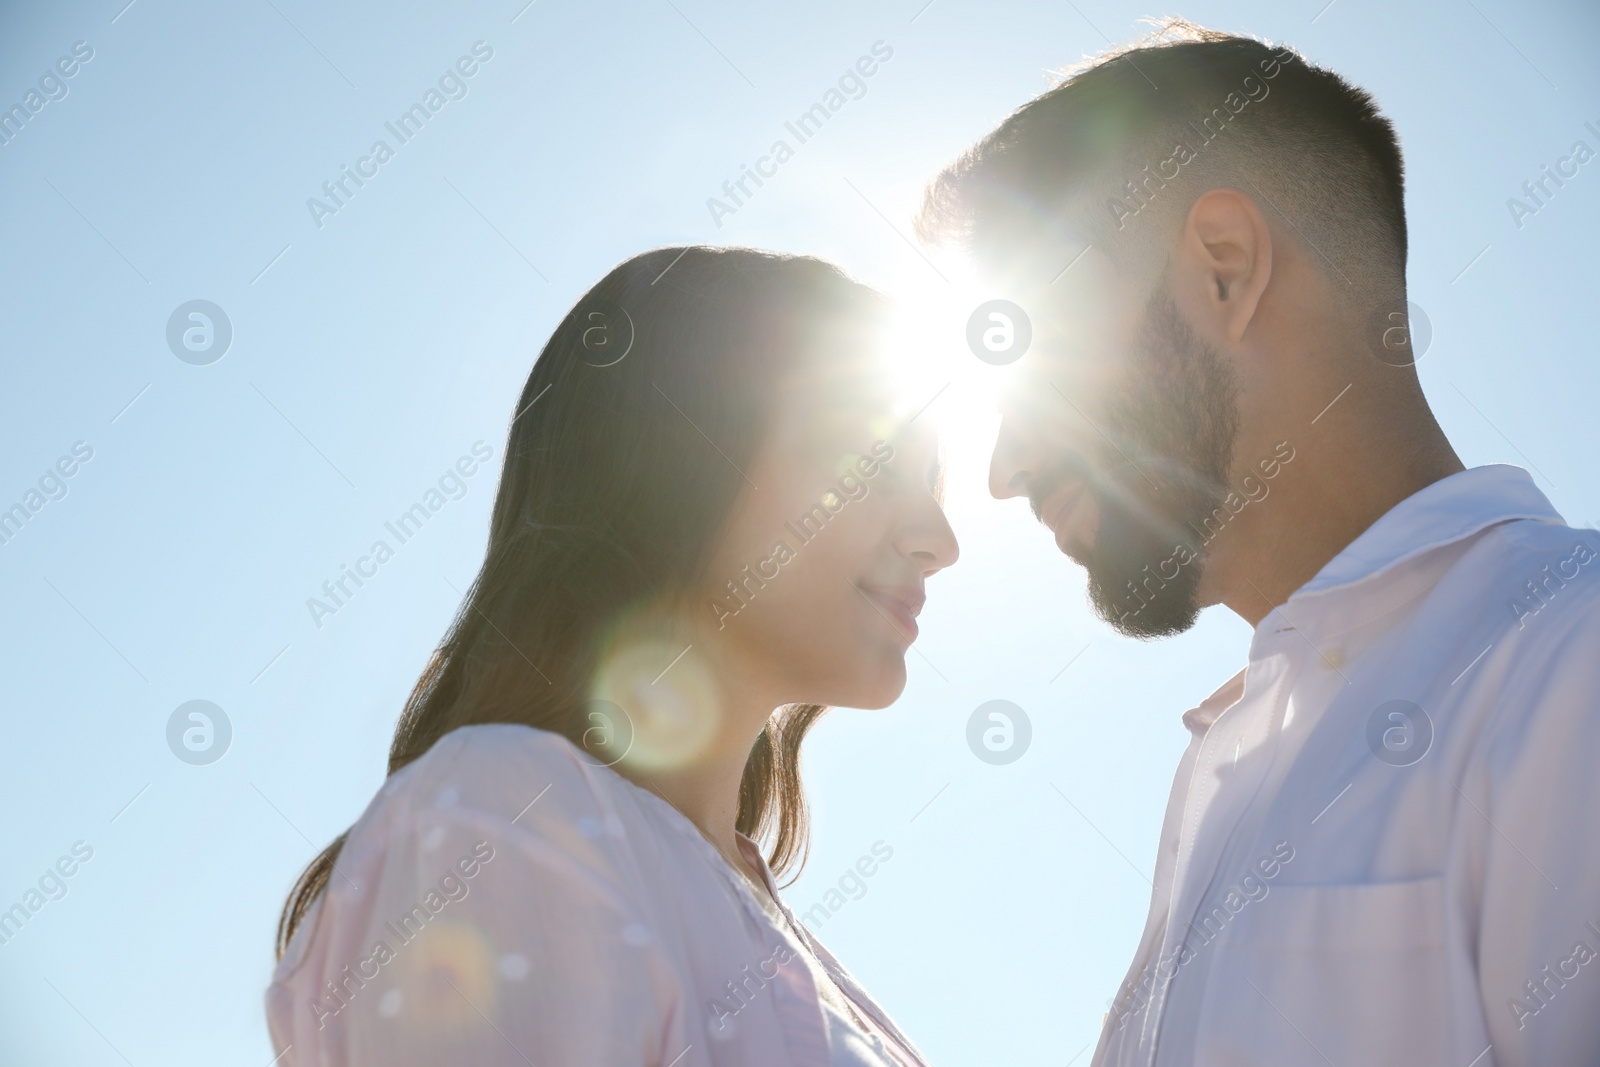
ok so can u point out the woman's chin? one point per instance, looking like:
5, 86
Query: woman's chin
882, 687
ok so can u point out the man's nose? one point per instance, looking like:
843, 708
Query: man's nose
1012, 463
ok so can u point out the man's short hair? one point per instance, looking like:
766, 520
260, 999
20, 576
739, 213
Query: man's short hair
1117, 154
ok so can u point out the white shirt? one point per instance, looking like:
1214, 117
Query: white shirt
504, 901
1344, 879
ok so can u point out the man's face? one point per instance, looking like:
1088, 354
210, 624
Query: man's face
1119, 426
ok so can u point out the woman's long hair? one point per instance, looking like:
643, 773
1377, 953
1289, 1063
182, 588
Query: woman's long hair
623, 459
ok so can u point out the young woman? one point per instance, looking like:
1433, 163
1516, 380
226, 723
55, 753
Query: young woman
709, 527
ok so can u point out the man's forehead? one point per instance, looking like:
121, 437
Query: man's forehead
1027, 261
1063, 288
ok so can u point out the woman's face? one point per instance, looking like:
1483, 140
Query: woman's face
816, 579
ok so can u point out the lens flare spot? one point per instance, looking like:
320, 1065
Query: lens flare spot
670, 698
448, 973
514, 966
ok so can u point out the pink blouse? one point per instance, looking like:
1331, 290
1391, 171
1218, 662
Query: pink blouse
504, 901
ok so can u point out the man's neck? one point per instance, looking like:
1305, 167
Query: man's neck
1362, 462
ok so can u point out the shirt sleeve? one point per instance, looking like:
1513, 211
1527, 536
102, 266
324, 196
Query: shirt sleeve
1534, 802
460, 938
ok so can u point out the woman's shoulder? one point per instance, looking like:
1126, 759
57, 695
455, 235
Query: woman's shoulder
489, 766
528, 786
505, 861
520, 803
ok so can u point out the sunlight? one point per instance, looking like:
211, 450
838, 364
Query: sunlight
937, 375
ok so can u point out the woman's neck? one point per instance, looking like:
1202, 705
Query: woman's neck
732, 701
707, 795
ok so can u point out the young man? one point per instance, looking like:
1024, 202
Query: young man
1380, 846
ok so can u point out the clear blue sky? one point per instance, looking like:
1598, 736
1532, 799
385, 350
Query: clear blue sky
371, 352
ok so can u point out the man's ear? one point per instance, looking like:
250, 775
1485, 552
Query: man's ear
1226, 253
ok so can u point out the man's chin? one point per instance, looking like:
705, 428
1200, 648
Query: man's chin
1126, 545
1164, 610
1075, 553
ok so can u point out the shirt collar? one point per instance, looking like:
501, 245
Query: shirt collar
1200, 717
1444, 513
1450, 510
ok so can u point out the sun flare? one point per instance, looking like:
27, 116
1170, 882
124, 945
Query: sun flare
936, 374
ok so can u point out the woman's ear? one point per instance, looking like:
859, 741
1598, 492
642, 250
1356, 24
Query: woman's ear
1225, 260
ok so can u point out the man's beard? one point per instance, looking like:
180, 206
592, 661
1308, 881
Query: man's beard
1173, 430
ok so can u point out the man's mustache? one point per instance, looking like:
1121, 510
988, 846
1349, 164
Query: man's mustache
1134, 485
1042, 486
1103, 482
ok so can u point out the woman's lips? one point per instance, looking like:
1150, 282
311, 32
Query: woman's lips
899, 606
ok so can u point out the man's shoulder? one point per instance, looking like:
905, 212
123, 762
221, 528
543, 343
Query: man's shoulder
1550, 574
1540, 672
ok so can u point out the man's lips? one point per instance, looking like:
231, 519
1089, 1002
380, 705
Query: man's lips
899, 604
1072, 516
